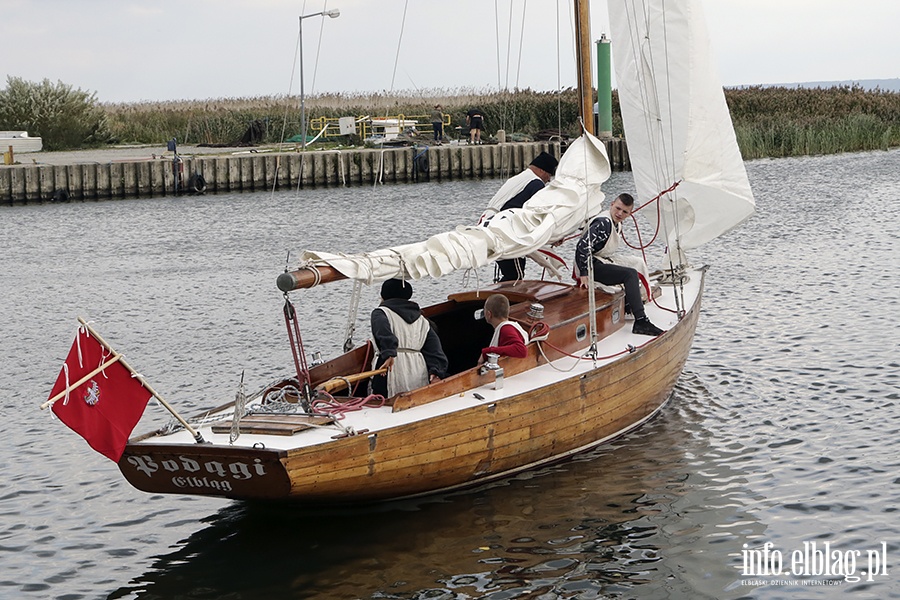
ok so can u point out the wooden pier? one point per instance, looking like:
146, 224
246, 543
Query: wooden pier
254, 171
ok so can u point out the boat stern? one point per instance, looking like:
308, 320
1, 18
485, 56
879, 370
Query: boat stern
206, 470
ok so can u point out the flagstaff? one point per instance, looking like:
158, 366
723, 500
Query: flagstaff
109, 358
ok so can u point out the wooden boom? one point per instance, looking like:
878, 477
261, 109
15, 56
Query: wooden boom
308, 277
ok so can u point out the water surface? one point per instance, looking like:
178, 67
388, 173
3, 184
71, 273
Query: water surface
783, 428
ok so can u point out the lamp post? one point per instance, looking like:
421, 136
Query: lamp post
333, 13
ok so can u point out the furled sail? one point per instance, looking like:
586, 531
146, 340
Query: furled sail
553, 213
676, 120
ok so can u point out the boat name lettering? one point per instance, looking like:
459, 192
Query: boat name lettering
237, 470
206, 482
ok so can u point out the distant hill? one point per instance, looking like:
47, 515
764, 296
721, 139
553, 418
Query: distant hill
885, 85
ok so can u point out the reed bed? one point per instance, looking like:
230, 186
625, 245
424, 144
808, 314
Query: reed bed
779, 121
769, 121
224, 121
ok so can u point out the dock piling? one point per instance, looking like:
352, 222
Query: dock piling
288, 170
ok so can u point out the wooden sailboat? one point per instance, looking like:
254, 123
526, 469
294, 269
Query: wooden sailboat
315, 437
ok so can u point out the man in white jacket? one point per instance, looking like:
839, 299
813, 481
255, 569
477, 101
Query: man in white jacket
513, 194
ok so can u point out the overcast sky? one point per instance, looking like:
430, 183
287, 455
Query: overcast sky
129, 50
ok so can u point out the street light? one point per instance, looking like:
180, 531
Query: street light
333, 13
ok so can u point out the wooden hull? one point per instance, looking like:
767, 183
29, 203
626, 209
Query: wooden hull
495, 440
461, 448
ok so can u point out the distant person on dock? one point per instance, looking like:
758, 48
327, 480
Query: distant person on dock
513, 194
437, 122
406, 343
509, 337
475, 121
599, 244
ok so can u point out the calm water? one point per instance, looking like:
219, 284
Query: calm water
783, 429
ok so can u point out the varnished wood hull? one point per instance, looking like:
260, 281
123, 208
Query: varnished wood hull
462, 448
486, 442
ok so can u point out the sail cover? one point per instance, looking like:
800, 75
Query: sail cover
553, 213
676, 120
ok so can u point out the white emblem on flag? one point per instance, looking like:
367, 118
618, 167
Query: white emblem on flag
92, 395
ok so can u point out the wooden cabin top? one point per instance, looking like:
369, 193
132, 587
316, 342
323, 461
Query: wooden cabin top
518, 291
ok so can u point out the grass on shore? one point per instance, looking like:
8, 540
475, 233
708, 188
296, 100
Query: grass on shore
768, 121
224, 121
778, 121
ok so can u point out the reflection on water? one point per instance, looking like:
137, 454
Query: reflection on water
605, 526
783, 428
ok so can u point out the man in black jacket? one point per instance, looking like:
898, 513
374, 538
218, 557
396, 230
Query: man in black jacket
599, 243
513, 194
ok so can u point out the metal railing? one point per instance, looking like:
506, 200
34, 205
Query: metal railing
369, 126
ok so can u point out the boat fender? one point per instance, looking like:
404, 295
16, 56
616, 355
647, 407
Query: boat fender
421, 161
197, 183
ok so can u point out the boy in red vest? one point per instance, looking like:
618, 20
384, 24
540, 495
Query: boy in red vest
509, 338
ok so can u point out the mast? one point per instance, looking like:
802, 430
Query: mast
583, 62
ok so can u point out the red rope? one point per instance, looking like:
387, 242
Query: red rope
641, 246
290, 316
538, 329
564, 353
542, 328
625, 351
660, 307
659, 195
338, 409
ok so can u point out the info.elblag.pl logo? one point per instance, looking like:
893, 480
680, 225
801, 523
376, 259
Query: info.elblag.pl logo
815, 560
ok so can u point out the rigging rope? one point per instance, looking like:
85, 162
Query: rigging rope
641, 246
240, 401
652, 113
540, 332
318, 48
558, 78
521, 41
380, 174
497, 39
297, 53
286, 110
588, 355
591, 284
297, 349
329, 405
509, 109
352, 313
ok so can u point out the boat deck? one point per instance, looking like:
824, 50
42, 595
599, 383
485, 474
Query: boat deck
289, 431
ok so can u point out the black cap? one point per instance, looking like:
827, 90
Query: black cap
396, 288
546, 162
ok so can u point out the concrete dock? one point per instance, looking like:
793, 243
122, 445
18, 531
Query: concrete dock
150, 171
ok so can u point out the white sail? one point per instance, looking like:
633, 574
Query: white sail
676, 120
552, 214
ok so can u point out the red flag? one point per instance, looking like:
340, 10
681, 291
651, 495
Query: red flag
105, 408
